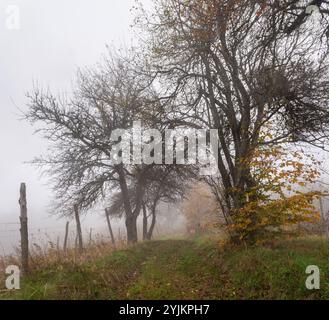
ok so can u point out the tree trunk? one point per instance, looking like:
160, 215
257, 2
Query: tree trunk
79, 232
110, 227
131, 216
144, 222
150, 231
131, 225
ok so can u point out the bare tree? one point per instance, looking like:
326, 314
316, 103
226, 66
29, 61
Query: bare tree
164, 184
81, 161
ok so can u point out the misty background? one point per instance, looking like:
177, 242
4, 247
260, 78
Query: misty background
55, 38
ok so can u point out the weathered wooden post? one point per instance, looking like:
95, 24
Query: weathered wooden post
90, 235
76, 243
66, 236
57, 244
24, 230
323, 219
109, 225
79, 232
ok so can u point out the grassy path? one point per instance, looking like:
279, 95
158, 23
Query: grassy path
183, 269
175, 269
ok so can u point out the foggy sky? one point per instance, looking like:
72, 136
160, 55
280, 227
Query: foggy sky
55, 38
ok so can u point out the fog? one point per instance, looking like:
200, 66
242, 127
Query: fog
54, 39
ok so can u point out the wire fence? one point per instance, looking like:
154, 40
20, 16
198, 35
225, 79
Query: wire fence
8, 229
10, 234
13, 227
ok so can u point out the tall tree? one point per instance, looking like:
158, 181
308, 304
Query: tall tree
232, 66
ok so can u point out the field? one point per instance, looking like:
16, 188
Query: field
184, 269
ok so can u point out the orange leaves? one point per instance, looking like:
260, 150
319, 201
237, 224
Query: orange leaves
262, 9
263, 219
281, 196
283, 170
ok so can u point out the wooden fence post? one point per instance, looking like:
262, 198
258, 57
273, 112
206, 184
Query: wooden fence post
76, 243
109, 225
323, 219
66, 236
79, 232
24, 230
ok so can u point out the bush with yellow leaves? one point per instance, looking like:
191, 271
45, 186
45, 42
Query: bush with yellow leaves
282, 195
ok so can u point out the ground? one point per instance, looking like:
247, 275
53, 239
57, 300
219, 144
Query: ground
186, 269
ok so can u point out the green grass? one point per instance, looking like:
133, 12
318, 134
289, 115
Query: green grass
186, 269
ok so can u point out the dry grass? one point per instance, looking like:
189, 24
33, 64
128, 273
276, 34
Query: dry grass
202, 268
49, 255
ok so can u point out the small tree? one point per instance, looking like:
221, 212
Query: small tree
281, 198
200, 209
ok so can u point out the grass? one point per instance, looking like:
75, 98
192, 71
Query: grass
184, 269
